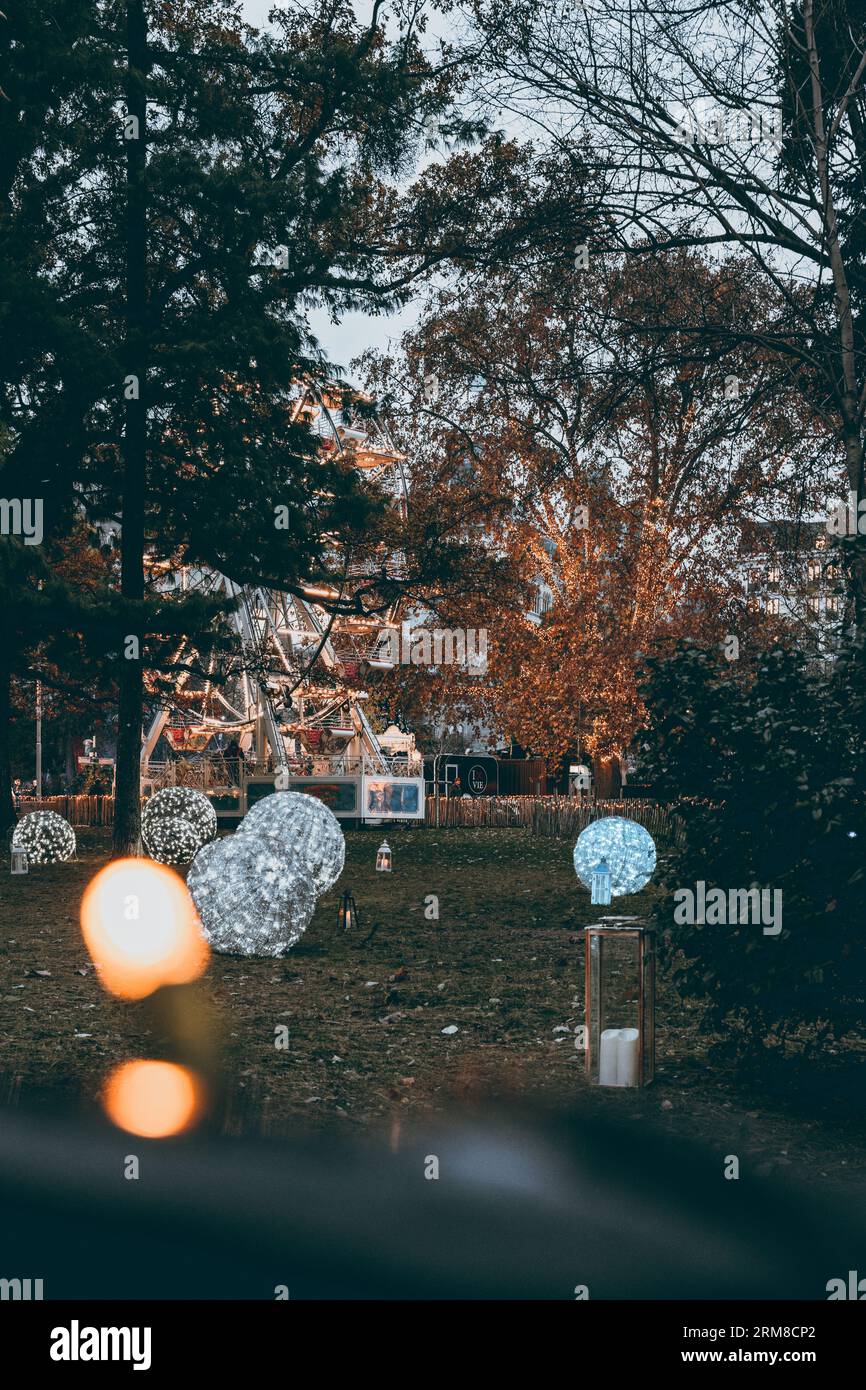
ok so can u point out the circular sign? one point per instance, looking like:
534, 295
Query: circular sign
477, 778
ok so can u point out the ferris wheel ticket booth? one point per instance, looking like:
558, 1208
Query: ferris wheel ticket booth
370, 798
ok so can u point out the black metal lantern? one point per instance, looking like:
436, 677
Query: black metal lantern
348, 916
620, 1002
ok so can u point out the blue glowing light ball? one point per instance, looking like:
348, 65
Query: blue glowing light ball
628, 850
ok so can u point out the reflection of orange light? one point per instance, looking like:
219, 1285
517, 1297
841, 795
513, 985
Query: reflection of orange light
153, 1099
141, 930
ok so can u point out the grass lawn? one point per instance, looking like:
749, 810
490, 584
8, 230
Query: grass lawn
365, 1012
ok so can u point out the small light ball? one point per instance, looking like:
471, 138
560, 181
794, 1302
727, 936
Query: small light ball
176, 822
626, 847
250, 901
305, 834
46, 837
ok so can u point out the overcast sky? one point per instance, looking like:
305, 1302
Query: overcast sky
355, 332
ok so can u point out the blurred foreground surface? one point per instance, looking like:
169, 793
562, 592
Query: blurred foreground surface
523, 1207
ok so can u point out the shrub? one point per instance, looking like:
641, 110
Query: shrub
767, 768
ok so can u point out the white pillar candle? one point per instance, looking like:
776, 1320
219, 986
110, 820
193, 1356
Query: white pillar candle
627, 1060
607, 1057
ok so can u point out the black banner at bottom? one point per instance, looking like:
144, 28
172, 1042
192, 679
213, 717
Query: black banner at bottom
84, 1338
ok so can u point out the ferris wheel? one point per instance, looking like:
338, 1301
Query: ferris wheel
295, 701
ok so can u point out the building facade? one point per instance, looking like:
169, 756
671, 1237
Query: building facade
790, 571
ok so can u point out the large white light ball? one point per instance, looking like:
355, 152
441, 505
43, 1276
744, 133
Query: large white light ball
46, 837
250, 901
304, 832
175, 823
626, 847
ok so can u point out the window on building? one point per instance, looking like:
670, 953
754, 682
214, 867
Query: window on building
831, 607
832, 571
814, 570
821, 543
774, 574
773, 607
542, 600
814, 605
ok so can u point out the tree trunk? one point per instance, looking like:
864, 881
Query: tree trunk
127, 813
852, 389
858, 597
7, 806
857, 562
68, 759
607, 777
852, 547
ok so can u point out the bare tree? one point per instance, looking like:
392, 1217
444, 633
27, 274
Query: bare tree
736, 127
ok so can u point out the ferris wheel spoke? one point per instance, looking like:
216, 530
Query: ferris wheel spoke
300, 672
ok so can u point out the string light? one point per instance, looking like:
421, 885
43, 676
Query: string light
251, 900
45, 837
176, 823
304, 832
625, 848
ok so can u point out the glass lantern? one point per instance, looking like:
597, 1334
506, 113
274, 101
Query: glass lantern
602, 883
19, 864
383, 858
620, 1002
347, 913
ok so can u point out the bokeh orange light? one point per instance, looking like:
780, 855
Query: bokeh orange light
140, 927
153, 1099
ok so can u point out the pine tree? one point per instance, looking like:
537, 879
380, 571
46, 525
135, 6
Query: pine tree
176, 189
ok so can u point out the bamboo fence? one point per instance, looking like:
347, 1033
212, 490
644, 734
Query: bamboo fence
559, 817
78, 810
549, 816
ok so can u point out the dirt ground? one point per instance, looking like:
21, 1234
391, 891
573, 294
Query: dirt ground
366, 1011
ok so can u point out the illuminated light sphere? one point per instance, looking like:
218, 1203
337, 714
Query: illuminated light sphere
153, 1099
46, 837
626, 848
305, 833
176, 822
140, 928
251, 899
171, 840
